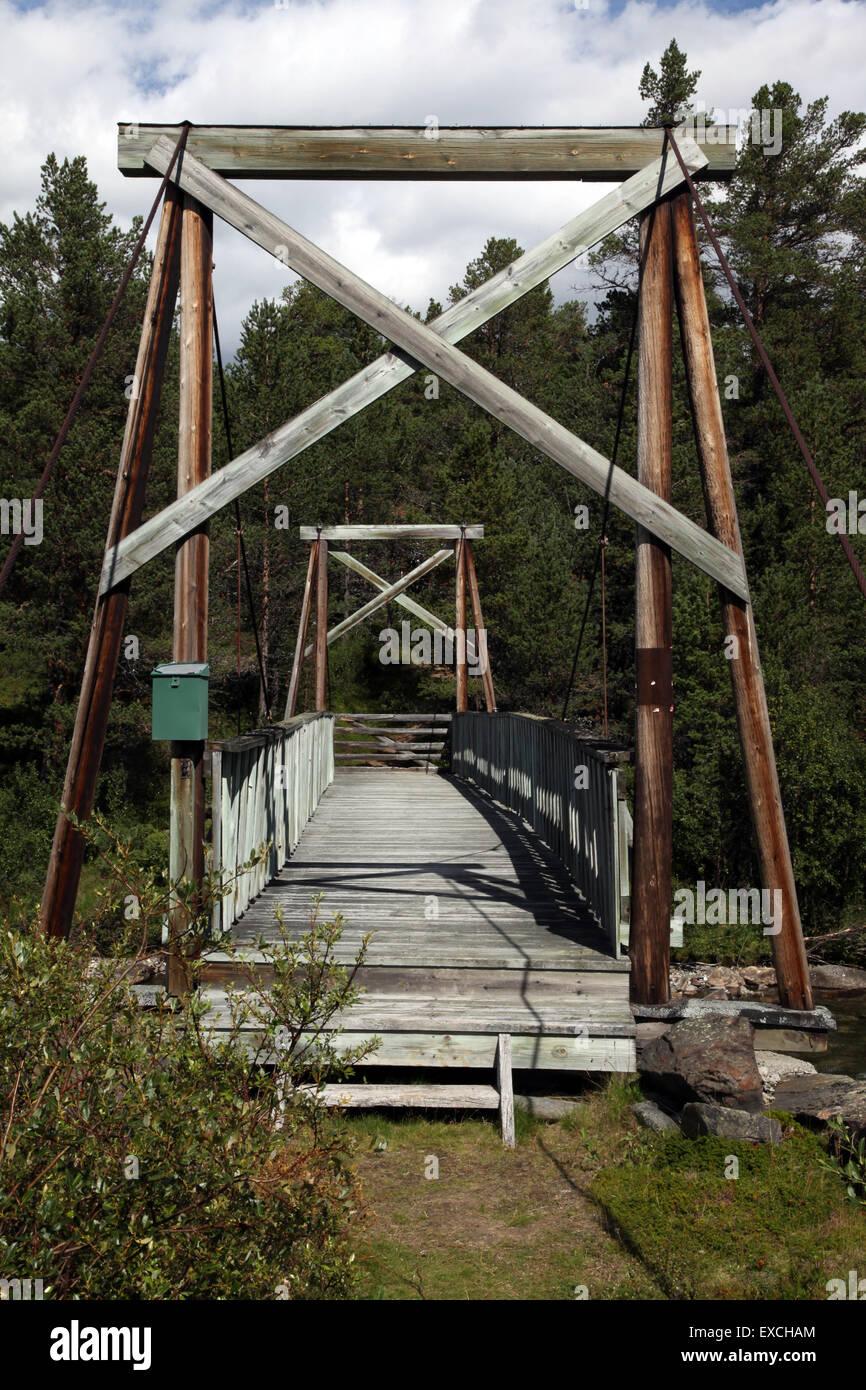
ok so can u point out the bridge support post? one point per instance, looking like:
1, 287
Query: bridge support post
186, 852
765, 801
321, 624
460, 628
649, 935
480, 644
106, 633
294, 683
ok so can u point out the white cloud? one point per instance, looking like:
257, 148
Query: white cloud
70, 71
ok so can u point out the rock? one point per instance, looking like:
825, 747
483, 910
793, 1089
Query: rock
711, 1058
757, 977
817, 1099
546, 1107
651, 1116
838, 979
773, 1066
725, 1123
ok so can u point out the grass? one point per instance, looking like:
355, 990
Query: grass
593, 1203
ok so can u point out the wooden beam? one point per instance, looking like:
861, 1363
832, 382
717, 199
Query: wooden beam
306, 605
753, 719
187, 814
322, 635
594, 153
390, 533
374, 381
478, 619
466, 375
649, 933
404, 601
505, 1088
460, 629
106, 633
386, 595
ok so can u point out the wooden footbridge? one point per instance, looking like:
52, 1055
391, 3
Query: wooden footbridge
496, 893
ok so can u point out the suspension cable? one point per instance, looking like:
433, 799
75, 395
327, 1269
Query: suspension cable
599, 553
94, 356
768, 367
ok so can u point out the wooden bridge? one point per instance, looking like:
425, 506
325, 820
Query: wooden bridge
498, 894
478, 928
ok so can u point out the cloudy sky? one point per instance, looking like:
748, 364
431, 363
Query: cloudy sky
70, 71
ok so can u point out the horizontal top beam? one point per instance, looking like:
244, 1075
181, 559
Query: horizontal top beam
391, 533
594, 153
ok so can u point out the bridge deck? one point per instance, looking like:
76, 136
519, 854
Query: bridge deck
476, 928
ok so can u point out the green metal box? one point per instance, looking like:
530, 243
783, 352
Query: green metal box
179, 707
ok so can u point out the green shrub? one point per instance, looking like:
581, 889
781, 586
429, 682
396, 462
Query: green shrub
139, 1158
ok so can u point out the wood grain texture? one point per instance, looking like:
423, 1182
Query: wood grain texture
372, 382
460, 627
478, 620
401, 152
389, 533
753, 720
106, 633
322, 634
425, 346
189, 637
298, 659
649, 931
506, 1089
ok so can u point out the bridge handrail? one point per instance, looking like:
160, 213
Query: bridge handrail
253, 804
529, 764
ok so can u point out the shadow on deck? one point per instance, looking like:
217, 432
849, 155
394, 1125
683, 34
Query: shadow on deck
477, 930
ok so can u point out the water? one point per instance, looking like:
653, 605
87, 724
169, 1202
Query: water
846, 1052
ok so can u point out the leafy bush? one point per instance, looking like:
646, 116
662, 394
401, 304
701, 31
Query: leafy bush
141, 1158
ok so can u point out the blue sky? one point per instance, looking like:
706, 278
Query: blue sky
70, 71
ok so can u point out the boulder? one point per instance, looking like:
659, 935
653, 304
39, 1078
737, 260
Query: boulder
838, 980
651, 1116
711, 1059
817, 1099
725, 1123
773, 1066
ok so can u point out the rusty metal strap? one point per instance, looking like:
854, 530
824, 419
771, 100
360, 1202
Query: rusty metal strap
655, 676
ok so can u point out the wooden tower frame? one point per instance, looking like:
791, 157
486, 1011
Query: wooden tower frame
653, 189
317, 575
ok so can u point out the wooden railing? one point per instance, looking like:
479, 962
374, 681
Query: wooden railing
566, 788
266, 785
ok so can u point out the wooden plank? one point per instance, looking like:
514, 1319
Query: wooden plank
444, 716
593, 153
306, 607
386, 595
408, 1097
506, 1089
106, 632
425, 345
397, 747
372, 382
753, 719
390, 533
577, 1054
649, 931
